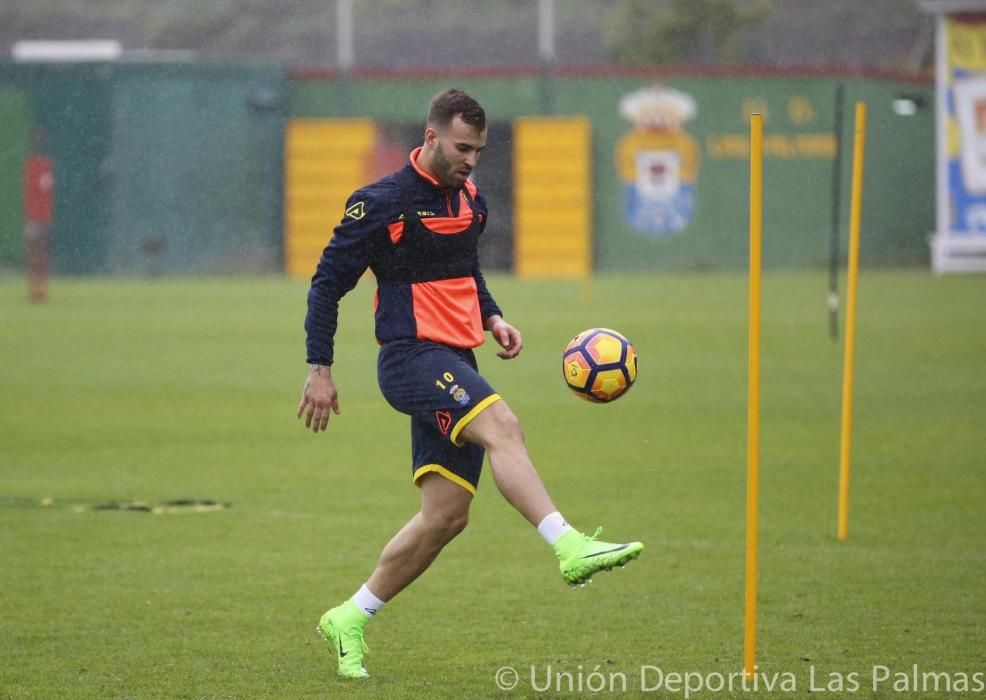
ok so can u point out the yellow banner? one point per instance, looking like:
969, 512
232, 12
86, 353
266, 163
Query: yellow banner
966, 44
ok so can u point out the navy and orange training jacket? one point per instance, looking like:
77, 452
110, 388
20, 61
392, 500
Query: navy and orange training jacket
422, 243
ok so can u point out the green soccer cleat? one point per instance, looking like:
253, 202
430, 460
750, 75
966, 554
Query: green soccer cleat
342, 626
581, 556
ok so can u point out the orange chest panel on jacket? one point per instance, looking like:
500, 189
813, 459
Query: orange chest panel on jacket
428, 271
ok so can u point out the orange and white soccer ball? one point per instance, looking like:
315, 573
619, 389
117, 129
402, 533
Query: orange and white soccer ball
600, 365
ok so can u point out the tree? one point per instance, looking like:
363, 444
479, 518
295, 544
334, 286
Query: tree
686, 31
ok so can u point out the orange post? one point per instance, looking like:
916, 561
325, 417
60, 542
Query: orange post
853, 276
753, 394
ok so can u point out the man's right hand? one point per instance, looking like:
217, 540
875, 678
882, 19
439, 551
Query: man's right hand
318, 397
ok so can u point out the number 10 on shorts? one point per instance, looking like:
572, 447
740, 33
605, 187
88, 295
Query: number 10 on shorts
448, 379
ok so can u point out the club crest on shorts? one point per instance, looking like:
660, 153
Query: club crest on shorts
459, 395
444, 419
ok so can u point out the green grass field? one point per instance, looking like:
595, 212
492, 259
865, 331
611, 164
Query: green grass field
159, 390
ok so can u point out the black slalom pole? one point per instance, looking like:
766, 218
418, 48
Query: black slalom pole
833, 297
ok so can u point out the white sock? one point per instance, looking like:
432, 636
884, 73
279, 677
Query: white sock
552, 527
367, 603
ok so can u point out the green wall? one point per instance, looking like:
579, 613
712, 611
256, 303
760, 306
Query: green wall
197, 171
15, 115
177, 167
898, 207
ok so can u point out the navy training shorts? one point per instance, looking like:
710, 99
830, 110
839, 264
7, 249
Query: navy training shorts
441, 389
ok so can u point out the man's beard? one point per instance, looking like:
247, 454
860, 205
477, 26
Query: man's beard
444, 168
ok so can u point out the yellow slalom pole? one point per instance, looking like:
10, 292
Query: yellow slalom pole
753, 395
856, 209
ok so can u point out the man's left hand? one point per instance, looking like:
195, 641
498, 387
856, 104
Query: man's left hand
507, 336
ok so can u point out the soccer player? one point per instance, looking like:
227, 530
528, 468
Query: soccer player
418, 231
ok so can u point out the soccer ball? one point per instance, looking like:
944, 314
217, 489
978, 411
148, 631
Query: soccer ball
599, 365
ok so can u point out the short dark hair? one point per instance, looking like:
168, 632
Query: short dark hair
454, 103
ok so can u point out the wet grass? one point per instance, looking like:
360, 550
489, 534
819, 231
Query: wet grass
133, 391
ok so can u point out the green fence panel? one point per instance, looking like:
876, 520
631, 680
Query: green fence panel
898, 213
196, 170
71, 106
799, 115
15, 115
161, 167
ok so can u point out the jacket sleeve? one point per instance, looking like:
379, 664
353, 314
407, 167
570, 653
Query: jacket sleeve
343, 262
487, 305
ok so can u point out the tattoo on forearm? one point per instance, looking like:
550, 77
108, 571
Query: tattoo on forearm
317, 369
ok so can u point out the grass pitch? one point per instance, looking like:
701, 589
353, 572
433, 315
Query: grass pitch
153, 391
